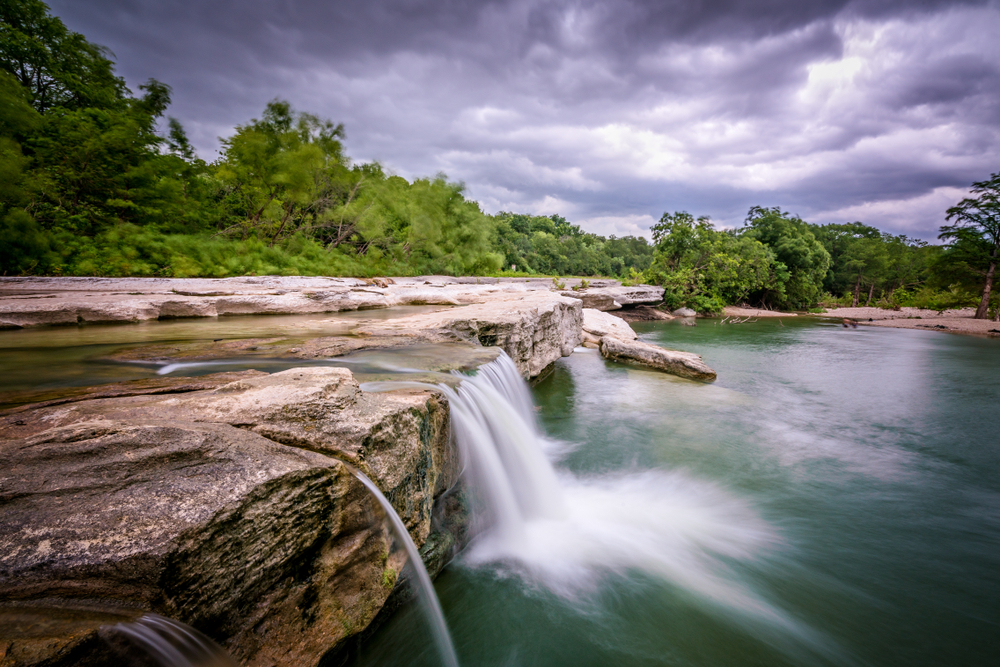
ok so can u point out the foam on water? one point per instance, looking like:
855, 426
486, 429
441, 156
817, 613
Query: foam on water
566, 533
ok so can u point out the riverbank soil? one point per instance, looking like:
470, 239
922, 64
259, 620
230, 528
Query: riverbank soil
736, 311
956, 321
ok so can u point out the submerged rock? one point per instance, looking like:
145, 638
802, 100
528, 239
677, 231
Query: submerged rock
683, 364
229, 509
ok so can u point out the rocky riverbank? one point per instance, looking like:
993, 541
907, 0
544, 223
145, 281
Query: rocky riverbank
225, 501
36, 301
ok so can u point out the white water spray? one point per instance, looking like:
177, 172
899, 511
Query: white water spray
565, 532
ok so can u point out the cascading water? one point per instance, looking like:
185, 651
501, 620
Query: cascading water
425, 589
565, 532
168, 643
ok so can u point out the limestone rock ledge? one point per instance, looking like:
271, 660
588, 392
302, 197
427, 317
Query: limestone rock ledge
597, 324
534, 329
39, 301
228, 508
683, 364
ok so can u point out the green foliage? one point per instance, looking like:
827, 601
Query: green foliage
57, 67
553, 246
800, 260
97, 180
975, 235
703, 268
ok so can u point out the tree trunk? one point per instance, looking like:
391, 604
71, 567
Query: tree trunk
857, 290
871, 290
984, 303
283, 221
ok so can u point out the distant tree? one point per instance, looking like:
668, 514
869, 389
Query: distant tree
801, 261
975, 232
704, 268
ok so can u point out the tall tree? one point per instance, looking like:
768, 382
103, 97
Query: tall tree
976, 224
58, 67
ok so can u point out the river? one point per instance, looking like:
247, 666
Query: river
833, 499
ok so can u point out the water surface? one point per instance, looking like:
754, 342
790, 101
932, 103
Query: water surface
833, 499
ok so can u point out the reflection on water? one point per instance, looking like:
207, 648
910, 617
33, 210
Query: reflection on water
846, 480
204, 328
52, 357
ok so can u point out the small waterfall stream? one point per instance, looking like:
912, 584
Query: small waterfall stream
425, 588
169, 643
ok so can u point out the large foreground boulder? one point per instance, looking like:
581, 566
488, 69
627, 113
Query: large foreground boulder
230, 509
683, 364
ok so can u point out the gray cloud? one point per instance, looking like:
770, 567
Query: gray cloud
606, 112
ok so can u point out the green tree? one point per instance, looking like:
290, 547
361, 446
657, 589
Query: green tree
975, 235
277, 170
58, 67
801, 261
703, 268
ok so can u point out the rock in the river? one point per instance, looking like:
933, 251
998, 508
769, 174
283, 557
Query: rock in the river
597, 324
533, 328
614, 296
228, 509
685, 312
643, 314
684, 364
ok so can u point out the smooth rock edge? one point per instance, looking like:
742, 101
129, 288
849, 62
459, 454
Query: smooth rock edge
683, 364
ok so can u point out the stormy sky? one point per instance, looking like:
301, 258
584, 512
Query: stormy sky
608, 113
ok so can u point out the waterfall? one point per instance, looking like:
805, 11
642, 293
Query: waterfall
168, 643
566, 532
493, 418
425, 589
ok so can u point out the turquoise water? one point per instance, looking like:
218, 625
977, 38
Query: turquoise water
833, 499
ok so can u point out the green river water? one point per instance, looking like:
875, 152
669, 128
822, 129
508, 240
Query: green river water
841, 486
832, 499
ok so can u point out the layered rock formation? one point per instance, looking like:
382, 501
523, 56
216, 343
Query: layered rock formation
28, 302
228, 508
618, 342
225, 501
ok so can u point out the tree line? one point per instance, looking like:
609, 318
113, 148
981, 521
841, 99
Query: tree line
97, 180
777, 260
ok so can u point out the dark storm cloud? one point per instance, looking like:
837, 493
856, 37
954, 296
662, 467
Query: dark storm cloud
608, 112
